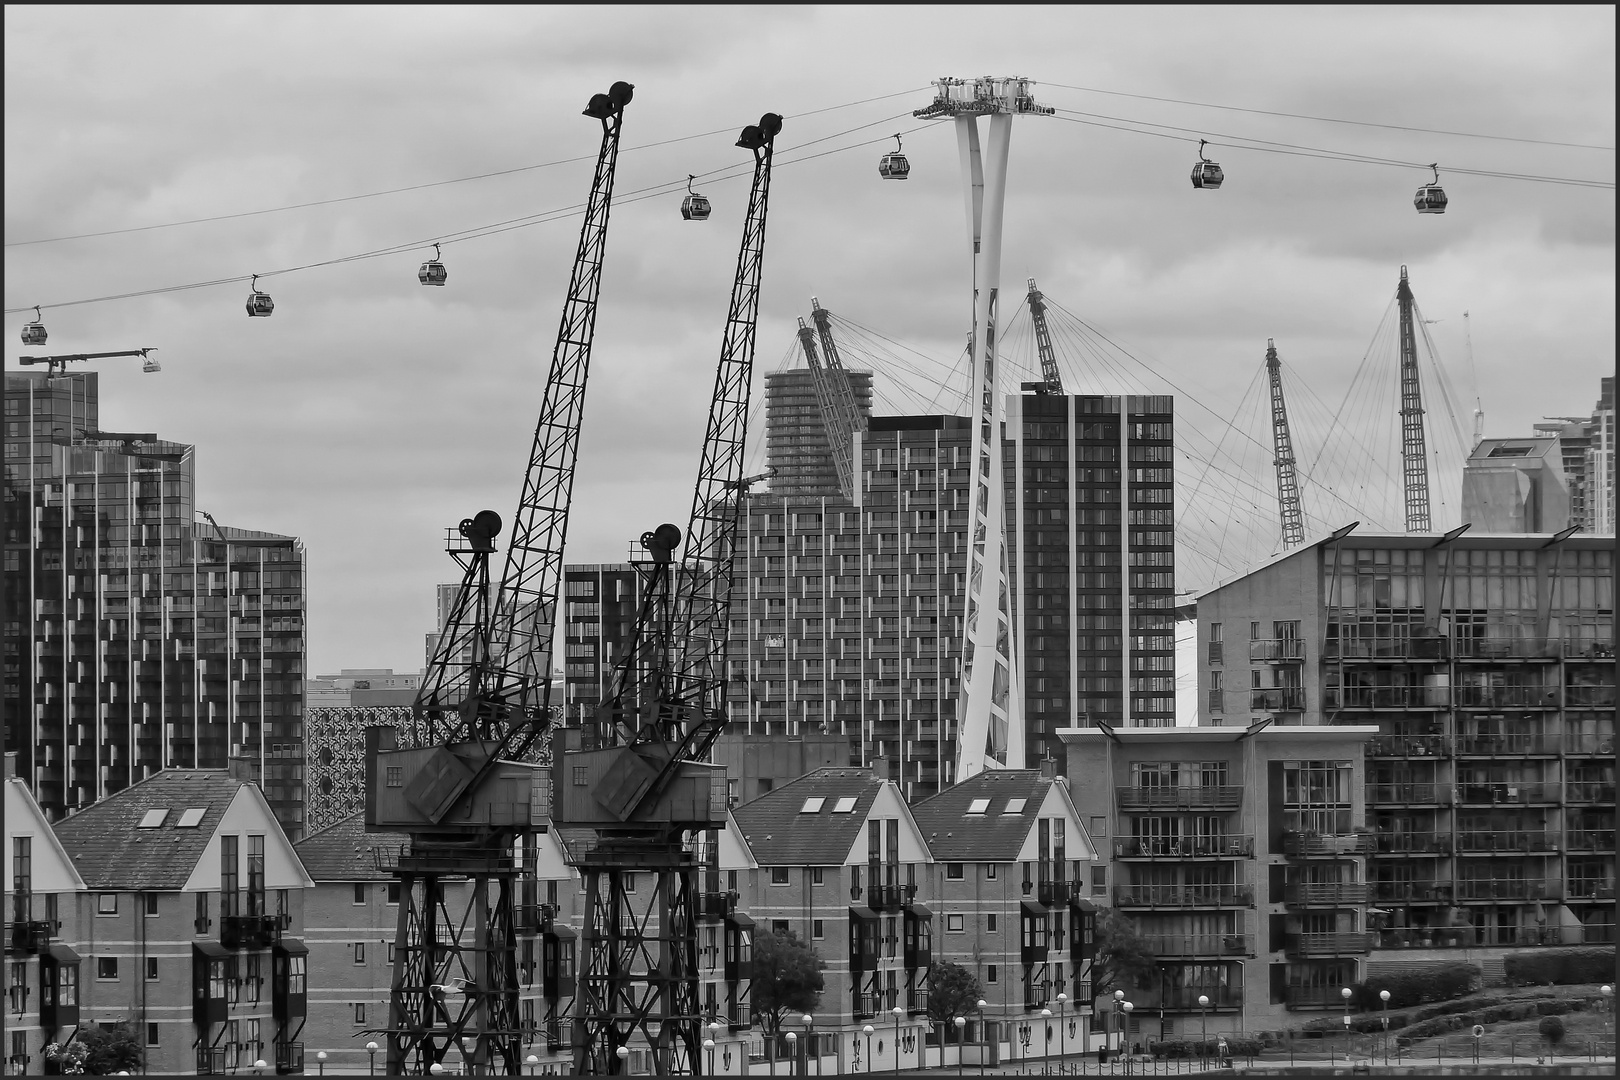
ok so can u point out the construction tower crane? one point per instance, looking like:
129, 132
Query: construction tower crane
1051, 379
843, 451
646, 790
846, 418
1414, 456
462, 789
1282, 445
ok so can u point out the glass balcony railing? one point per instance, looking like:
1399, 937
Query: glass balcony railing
1185, 998
1277, 650
1278, 699
1508, 841
1408, 794
1508, 889
1181, 798
1170, 946
1589, 697
1319, 844
1189, 847
1586, 745
1404, 746
1509, 745
1330, 944
1506, 697
1508, 794
1325, 894
1587, 791
1386, 696
1408, 892
1469, 937
1183, 896
1590, 839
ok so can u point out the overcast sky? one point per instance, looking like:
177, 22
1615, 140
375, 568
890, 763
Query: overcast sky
370, 413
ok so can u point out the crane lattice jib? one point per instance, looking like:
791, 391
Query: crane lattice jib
1282, 444
1414, 456
838, 440
702, 602
839, 385
1043, 341
515, 682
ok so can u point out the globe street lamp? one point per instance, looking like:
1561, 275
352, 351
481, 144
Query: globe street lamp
793, 1052
258, 1067
1046, 1042
867, 1031
810, 1043
623, 1054
984, 1033
1119, 999
1383, 1005
320, 1057
708, 1044
1607, 991
1124, 1031
899, 1012
1063, 1043
1203, 1023
371, 1048
1346, 993
960, 1022
436, 1069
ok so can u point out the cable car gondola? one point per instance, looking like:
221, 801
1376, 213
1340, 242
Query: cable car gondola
1431, 198
432, 272
1206, 173
34, 332
259, 304
894, 166
694, 207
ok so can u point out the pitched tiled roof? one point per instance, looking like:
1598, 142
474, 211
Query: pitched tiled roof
112, 853
954, 835
343, 851
781, 834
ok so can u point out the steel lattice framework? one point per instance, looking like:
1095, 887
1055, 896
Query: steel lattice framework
844, 419
1282, 446
1414, 455
1043, 342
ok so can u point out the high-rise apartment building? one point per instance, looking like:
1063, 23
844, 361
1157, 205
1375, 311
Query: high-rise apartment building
137, 637
796, 443
1487, 665
1598, 488
1090, 539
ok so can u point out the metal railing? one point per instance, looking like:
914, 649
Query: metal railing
1277, 649
1589, 744
1507, 889
1413, 843
1408, 746
1329, 944
1520, 793
1386, 696
1589, 697
1308, 894
1409, 793
1186, 847
1589, 839
1235, 895
1408, 891
1506, 697
1278, 699
1506, 840
1302, 843
1179, 797
1192, 945
1587, 791
1508, 745
1507, 646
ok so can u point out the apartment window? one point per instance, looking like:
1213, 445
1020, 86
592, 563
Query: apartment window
227, 875
1099, 827
990, 924
953, 871
1215, 643
396, 776
989, 871
106, 967
17, 987
255, 976
359, 1014
107, 903
1099, 880
817, 928
629, 883
359, 952
151, 969
393, 892
779, 926
991, 974
359, 892
815, 875
582, 776
151, 1035
151, 903
953, 924
779, 875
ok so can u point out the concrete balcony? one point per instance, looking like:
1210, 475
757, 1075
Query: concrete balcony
1323, 894
1508, 889
1525, 793
1190, 847
1179, 798
1408, 746
1410, 892
1585, 791
1506, 697
1277, 650
1340, 944
1317, 845
1507, 647
1505, 842
1386, 696
1409, 794
1187, 946
1183, 896
1277, 699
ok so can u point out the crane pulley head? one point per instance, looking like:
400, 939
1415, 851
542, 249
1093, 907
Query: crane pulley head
610, 104
758, 136
662, 542
481, 530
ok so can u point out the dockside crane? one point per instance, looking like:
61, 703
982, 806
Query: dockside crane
1414, 454
1051, 379
1282, 447
838, 441
461, 787
646, 790
845, 419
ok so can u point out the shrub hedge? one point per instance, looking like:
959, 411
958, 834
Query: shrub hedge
1551, 1029
1560, 967
1444, 980
1236, 1046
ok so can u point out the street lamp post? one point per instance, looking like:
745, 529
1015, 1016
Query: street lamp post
1383, 1006
371, 1048
1046, 1042
960, 1022
623, 1054
810, 1043
1063, 1043
1203, 1023
899, 1013
258, 1067
436, 1069
867, 1031
1607, 990
531, 1063
793, 1052
984, 1032
1119, 999
320, 1059
708, 1044
1124, 1033
1346, 993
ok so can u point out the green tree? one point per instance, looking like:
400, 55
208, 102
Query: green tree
1123, 960
787, 979
953, 991
1551, 1029
108, 1051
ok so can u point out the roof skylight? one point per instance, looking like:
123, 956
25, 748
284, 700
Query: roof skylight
978, 806
191, 818
1015, 806
845, 805
153, 818
812, 805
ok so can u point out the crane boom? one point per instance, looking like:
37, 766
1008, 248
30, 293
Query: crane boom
1043, 342
1282, 445
840, 391
838, 440
466, 804
1414, 455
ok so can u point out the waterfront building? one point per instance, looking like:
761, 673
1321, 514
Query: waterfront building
797, 449
191, 923
1517, 486
1486, 664
139, 636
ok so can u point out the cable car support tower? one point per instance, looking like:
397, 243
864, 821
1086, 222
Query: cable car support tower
991, 714
1414, 455
645, 788
470, 784
1282, 446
